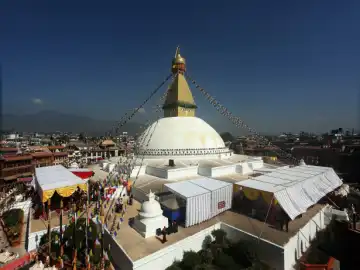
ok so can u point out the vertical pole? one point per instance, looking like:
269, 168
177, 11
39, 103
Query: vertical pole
61, 221
49, 225
74, 236
102, 230
87, 223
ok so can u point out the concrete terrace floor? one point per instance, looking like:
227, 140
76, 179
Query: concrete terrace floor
138, 247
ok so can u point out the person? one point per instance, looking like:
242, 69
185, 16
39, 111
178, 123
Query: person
284, 220
164, 240
131, 199
353, 215
175, 226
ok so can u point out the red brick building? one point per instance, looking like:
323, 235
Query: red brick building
14, 166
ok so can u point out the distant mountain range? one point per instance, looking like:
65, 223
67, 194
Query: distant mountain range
51, 121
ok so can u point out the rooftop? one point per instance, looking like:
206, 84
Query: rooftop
138, 247
52, 177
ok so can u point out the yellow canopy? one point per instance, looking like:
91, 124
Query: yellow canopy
57, 178
253, 194
62, 191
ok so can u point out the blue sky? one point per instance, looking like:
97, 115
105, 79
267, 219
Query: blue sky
279, 65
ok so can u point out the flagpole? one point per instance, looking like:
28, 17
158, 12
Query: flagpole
61, 227
74, 237
87, 223
49, 226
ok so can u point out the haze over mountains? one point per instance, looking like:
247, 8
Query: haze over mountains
50, 121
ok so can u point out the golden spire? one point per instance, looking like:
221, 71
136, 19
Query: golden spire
178, 62
179, 100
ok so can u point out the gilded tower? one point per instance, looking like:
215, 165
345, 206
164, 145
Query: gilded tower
179, 100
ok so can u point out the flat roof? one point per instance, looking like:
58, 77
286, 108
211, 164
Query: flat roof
187, 189
138, 247
283, 178
232, 178
146, 182
296, 188
57, 176
209, 183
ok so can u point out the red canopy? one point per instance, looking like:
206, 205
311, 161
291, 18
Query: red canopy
82, 173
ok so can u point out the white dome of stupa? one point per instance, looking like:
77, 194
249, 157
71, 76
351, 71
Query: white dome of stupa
177, 135
150, 208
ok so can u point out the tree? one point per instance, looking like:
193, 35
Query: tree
241, 252
82, 137
174, 266
190, 260
204, 266
220, 237
225, 262
206, 256
227, 136
64, 139
207, 242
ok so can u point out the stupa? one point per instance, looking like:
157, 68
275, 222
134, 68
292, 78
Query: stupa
180, 134
180, 145
150, 217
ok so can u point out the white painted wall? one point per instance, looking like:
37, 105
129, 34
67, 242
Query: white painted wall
256, 164
243, 168
120, 258
139, 195
267, 251
158, 172
223, 170
300, 242
138, 168
32, 244
175, 174
165, 257
204, 171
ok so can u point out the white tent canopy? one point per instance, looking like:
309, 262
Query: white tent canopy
57, 178
198, 201
221, 193
296, 188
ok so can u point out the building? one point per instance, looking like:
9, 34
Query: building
16, 163
16, 167
194, 176
91, 152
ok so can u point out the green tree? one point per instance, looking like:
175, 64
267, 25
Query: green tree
206, 256
204, 266
243, 253
220, 236
225, 262
207, 242
227, 137
174, 266
190, 260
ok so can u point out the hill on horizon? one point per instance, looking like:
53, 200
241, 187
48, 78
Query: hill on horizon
51, 121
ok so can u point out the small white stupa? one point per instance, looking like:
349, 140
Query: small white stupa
74, 165
150, 217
